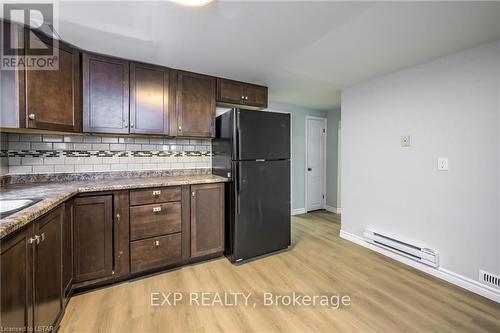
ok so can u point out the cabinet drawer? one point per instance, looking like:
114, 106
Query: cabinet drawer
155, 220
155, 252
155, 195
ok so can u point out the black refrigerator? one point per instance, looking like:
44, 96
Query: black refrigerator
252, 148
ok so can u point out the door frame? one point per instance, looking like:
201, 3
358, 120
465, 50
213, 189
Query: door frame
325, 123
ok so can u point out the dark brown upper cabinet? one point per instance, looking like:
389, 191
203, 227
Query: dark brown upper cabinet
240, 93
195, 105
53, 96
45, 99
207, 219
105, 89
93, 238
150, 100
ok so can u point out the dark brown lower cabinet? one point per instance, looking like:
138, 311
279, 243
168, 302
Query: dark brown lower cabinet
93, 237
67, 248
47, 270
16, 281
155, 252
207, 219
31, 286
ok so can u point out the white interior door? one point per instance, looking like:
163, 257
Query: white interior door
315, 163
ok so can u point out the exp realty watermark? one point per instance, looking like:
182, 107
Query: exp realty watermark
234, 299
29, 36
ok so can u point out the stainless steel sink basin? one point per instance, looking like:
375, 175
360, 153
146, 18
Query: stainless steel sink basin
10, 206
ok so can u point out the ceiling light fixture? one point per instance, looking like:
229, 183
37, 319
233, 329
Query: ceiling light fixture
193, 3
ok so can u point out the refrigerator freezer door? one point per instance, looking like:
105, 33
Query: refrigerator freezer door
262, 135
262, 208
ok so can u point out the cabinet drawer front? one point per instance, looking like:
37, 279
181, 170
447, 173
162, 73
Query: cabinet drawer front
155, 220
155, 252
155, 195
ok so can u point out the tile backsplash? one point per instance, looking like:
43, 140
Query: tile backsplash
28, 153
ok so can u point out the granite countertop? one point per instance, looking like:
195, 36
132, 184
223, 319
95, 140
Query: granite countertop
53, 194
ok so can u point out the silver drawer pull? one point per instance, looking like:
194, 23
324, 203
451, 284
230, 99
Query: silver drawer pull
157, 243
156, 209
156, 193
42, 237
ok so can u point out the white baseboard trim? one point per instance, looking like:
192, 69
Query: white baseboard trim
444, 274
298, 211
332, 209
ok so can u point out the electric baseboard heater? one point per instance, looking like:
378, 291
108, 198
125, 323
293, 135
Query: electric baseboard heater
424, 255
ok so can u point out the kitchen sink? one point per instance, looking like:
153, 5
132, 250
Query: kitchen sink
10, 206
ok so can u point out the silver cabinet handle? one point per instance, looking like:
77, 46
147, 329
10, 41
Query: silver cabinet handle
131, 125
125, 124
31, 116
118, 217
192, 194
42, 237
157, 243
31, 240
246, 97
156, 209
156, 193
180, 128
37, 239
242, 97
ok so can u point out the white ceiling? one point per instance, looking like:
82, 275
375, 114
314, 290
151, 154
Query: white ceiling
304, 51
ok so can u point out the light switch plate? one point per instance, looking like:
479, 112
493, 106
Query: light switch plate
443, 164
405, 141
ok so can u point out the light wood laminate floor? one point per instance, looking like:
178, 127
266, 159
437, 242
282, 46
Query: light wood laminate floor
386, 296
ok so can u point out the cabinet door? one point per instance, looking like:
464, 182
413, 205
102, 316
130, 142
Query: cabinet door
256, 96
229, 91
149, 99
67, 251
195, 105
47, 271
207, 219
53, 96
105, 88
16, 282
92, 237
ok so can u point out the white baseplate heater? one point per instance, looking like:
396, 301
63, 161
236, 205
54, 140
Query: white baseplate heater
424, 255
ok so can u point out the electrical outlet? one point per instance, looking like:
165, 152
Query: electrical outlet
443, 164
405, 140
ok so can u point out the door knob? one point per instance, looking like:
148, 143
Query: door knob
31, 116
309, 169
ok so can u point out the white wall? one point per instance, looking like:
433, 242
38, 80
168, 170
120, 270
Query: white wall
332, 159
450, 107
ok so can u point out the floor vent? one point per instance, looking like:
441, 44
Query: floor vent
489, 279
424, 255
